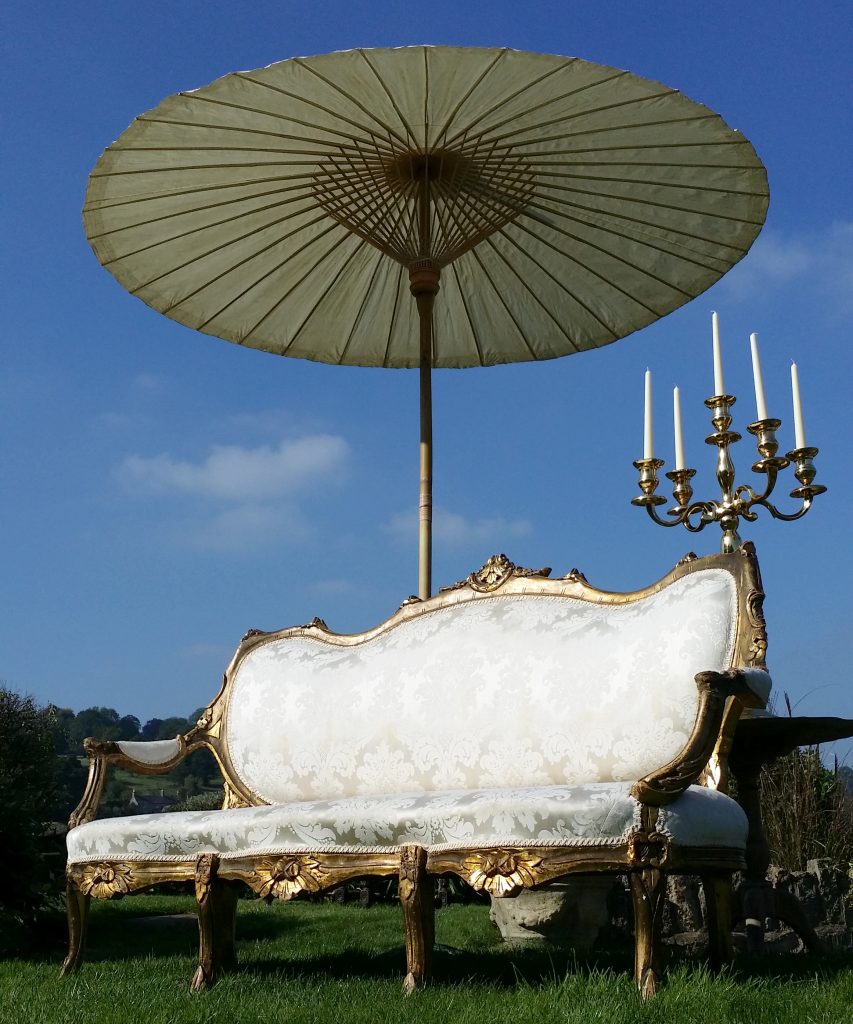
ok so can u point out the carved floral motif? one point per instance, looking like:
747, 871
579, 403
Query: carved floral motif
287, 876
102, 881
205, 872
500, 872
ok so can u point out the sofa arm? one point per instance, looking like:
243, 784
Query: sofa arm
152, 758
715, 688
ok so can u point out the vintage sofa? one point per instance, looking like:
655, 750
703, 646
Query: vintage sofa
512, 730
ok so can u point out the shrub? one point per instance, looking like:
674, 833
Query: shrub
30, 791
807, 811
200, 802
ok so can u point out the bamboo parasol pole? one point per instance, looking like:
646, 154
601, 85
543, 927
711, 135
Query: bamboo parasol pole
423, 282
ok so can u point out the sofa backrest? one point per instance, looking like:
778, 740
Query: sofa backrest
509, 679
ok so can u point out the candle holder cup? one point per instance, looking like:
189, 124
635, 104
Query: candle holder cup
735, 502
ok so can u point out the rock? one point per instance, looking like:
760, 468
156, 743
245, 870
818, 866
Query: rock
683, 910
834, 885
572, 911
835, 936
694, 943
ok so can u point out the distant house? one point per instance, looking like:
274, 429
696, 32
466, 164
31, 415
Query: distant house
150, 803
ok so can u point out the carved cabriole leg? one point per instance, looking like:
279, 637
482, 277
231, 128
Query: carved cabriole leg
417, 904
647, 890
718, 917
78, 919
208, 947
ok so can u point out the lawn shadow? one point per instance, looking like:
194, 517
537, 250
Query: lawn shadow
498, 967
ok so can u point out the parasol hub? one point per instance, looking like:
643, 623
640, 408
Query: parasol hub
439, 166
424, 277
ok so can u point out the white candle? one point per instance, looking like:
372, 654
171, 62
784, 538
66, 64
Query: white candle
760, 402
648, 437
719, 386
676, 420
799, 429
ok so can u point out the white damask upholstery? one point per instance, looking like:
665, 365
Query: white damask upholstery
758, 680
601, 814
151, 752
519, 690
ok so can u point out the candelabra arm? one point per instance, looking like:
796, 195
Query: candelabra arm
757, 499
788, 517
706, 510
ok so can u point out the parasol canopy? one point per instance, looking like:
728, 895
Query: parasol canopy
557, 205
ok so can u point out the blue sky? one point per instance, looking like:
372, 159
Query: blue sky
164, 490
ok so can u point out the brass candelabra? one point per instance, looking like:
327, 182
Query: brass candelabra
735, 503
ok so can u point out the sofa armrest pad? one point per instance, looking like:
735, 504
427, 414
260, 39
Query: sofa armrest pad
153, 752
759, 683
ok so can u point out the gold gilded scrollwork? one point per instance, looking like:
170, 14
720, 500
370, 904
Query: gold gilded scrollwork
574, 576
286, 877
648, 850
205, 718
232, 798
755, 609
500, 872
316, 623
102, 881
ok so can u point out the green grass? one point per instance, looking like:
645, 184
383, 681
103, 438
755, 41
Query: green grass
323, 964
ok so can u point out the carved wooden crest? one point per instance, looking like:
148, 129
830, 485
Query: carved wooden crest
497, 570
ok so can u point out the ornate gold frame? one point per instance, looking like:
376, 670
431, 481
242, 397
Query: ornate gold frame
499, 872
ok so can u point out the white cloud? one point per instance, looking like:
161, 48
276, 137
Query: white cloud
246, 475
820, 261
149, 381
454, 529
248, 527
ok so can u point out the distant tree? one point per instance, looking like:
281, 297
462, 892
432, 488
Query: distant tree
170, 727
129, 728
102, 723
63, 734
151, 729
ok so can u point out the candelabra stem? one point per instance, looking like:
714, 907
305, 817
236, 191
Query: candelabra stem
730, 541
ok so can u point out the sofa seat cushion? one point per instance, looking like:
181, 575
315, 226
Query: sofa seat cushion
601, 813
